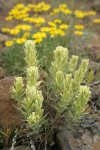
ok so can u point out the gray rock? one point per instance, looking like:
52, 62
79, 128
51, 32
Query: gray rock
95, 98
80, 138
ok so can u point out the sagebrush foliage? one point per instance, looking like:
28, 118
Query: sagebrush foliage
64, 79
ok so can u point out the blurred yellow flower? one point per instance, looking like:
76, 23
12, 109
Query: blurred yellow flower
38, 40
20, 40
39, 35
57, 21
23, 27
52, 24
9, 18
38, 20
14, 31
67, 11
79, 27
90, 13
55, 11
40, 7
54, 32
19, 6
9, 43
63, 8
79, 14
63, 26
6, 30
79, 33
26, 35
20, 11
96, 20
45, 29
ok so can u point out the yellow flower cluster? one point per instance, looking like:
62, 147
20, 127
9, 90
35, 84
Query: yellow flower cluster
20, 11
62, 8
5, 30
54, 28
78, 28
17, 40
81, 14
56, 31
37, 21
40, 7
96, 20
17, 29
23, 27
39, 36
20, 40
43, 28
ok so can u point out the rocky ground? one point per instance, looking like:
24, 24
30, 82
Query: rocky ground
84, 137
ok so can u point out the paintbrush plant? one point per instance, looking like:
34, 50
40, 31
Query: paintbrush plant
29, 98
64, 80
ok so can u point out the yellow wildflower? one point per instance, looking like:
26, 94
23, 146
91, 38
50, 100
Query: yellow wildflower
6, 30
79, 14
67, 11
14, 31
19, 6
9, 18
40, 7
79, 27
55, 11
79, 33
63, 6
90, 13
20, 11
63, 26
26, 27
54, 31
32, 6
23, 27
96, 20
26, 34
45, 29
39, 35
20, 40
9, 43
38, 20
38, 40
57, 21
52, 24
